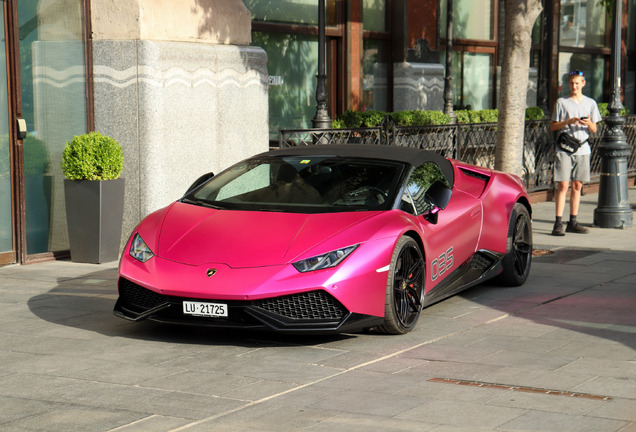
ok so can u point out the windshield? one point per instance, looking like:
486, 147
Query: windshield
322, 184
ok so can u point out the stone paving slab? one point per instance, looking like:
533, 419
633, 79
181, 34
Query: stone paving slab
70, 365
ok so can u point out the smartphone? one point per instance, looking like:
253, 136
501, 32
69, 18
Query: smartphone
583, 118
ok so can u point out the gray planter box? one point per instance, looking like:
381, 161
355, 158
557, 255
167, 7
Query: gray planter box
94, 214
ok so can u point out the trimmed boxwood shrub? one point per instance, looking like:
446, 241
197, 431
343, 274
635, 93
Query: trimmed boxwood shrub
534, 113
354, 119
92, 156
602, 107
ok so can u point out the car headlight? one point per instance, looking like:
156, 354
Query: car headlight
327, 260
139, 250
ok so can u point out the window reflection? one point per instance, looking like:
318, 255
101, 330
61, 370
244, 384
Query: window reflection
290, 11
292, 64
582, 24
374, 15
6, 224
472, 80
471, 19
375, 69
593, 66
54, 105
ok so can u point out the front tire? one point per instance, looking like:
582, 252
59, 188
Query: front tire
405, 288
518, 258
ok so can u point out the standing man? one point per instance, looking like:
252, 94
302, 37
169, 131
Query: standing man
577, 116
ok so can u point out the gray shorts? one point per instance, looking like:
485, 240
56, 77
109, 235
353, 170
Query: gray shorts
570, 167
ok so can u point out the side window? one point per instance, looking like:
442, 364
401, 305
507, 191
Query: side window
421, 179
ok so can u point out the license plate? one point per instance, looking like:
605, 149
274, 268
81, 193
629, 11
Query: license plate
205, 309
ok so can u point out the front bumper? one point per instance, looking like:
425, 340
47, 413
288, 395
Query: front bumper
311, 312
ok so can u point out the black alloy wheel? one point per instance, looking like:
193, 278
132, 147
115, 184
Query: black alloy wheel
518, 259
405, 288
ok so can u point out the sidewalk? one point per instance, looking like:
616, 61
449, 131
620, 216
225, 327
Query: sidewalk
598, 238
556, 354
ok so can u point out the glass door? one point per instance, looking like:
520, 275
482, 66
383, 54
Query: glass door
7, 244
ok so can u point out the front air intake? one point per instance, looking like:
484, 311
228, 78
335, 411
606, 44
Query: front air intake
313, 305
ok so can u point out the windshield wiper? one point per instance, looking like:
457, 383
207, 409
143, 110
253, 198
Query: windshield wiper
201, 203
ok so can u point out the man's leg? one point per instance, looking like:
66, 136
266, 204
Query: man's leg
562, 191
575, 199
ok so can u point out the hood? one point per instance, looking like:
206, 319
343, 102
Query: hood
196, 235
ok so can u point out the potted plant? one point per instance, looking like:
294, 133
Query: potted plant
94, 196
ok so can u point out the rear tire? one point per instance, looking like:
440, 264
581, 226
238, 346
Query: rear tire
518, 258
404, 288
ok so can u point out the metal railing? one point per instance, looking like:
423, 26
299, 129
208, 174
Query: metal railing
471, 143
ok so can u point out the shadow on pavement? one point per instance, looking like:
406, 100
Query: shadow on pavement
87, 303
564, 301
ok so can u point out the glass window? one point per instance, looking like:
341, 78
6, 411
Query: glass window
302, 184
478, 89
414, 199
593, 66
582, 24
292, 62
630, 63
456, 82
472, 79
631, 25
6, 219
290, 11
54, 105
374, 15
471, 19
375, 69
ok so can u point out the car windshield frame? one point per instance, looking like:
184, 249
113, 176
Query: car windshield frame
303, 184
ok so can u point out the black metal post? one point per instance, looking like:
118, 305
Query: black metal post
321, 120
614, 210
448, 88
543, 93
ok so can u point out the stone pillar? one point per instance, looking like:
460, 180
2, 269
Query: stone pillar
177, 84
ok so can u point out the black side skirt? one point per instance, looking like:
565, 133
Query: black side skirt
483, 265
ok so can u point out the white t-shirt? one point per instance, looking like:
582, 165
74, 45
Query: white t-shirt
566, 108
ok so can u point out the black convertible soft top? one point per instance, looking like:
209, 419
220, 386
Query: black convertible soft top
408, 155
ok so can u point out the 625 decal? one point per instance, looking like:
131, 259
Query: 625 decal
442, 263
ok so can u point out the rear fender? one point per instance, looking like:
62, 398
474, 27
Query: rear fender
501, 194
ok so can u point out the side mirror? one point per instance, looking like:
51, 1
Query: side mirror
439, 194
198, 182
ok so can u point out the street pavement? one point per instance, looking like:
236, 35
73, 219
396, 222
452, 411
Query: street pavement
556, 354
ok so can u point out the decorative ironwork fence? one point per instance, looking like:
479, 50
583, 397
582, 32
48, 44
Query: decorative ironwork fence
471, 143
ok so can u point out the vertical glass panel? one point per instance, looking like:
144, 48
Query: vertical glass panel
290, 11
54, 106
536, 30
292, 61
471, 19
477, 80
456, 73
6, 221
630, 87
375, 69
374, 15
582, 24
631, 25
593, 67
630, 63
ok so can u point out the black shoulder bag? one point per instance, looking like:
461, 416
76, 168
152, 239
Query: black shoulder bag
568, 143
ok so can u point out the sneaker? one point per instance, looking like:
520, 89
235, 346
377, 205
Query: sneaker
558, 230
576, 228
